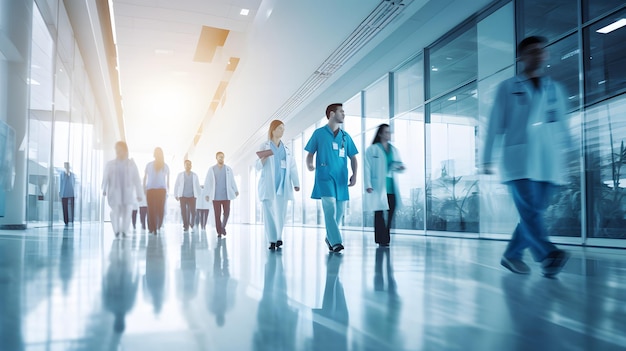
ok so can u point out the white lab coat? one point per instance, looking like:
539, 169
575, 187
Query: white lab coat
533, 126
180, 185
231, 185
375, 172
201, 202
267, 187
126, 193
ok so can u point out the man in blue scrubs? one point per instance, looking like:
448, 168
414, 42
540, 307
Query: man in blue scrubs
333, 147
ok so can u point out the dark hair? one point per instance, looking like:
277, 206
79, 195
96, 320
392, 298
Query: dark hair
528, 41
332, 108
378, 132
219, 153
159, 159
275, 124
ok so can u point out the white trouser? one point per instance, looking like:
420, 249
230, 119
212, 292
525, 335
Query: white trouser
120, 218
274, 212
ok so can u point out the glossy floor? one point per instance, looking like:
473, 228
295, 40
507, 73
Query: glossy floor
81, 289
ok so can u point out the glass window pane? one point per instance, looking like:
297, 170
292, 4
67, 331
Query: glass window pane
550, 19
352, 123
408, 137
605, 60
41, 189
377, 103
409, 86
605, 154
452, 182
563, 68
453, 63
595, 8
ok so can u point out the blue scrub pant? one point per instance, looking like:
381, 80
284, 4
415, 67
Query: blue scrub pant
333, 213
531, 199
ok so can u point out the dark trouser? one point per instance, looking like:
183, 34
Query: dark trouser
156, 208
531, 199
220, 224
68, 209
133, 217
382, 229
143, 213
204, 217
188, 211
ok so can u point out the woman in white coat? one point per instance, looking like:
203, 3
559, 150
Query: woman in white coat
123, 188
382, 163
279, 178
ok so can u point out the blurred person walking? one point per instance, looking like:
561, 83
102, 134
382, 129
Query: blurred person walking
156, 182
221, 188
381, 164
67, 185
529, 115
279, 178
187, 190
122, 187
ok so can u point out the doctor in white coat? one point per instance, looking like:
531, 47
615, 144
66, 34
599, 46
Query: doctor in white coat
382, 164
529, 115
187, 191
221, 188
122, 186
279, 178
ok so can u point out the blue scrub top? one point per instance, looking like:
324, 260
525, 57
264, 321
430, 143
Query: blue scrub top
331, 163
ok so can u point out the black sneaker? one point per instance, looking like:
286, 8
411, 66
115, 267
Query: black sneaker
515, 265
272, 246
338, 248
554, 263
279, 243
330, 247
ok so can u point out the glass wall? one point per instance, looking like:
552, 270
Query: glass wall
64, 121
438, 104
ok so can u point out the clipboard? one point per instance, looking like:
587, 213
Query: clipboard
264, 153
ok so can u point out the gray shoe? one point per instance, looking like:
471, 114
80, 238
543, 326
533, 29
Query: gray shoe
554, 263
515, 265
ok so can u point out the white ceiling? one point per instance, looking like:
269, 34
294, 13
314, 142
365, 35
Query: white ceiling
165, 93
166, 96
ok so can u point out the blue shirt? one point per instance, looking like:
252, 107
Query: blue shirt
156, 180
331, 161
221, 192
280, 165
188, 185
67, 185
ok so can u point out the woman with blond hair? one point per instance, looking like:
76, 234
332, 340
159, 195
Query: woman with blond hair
279, 178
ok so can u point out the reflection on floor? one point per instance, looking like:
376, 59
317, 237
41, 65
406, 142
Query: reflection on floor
81, 289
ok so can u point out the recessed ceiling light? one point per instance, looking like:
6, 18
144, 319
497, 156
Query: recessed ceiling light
244, 12
163, 52
435, 69
452, 98
613, 26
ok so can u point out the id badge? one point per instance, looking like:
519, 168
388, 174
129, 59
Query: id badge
335, 146
283, 164
342, 153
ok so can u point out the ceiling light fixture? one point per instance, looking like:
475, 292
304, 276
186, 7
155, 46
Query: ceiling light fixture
452, 98
434, 69
613, 26
244, 12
